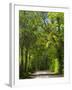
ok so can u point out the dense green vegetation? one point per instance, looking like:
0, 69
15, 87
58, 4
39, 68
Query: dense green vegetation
41, 42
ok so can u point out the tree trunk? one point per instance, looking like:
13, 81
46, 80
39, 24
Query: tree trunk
26, 59
22, 56
21, 69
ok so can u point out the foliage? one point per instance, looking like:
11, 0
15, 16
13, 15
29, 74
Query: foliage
41, 42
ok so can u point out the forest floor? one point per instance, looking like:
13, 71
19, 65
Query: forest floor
45, 74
